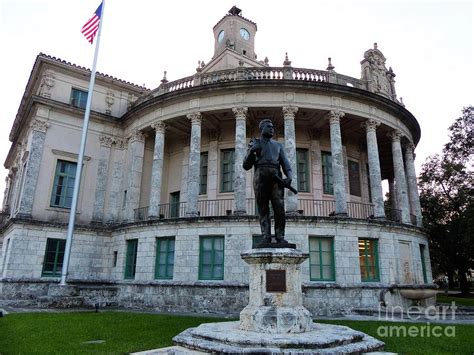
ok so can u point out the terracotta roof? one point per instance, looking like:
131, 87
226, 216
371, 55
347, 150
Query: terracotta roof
59, 60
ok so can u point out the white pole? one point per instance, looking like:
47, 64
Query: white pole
77, 182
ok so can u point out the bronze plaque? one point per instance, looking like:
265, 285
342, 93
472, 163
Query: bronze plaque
276, 281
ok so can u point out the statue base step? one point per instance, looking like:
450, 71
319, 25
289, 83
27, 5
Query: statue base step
228, 338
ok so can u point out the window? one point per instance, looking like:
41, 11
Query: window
211, 258
63, 187
203, 174
302, 169
78, 98
321, 259
423, 265
131, 258
53, 257
164, 258
115, 258
174, 204
227, 170
368, 258
354, 178
327, 173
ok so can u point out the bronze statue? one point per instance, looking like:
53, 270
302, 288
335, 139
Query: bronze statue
267, 156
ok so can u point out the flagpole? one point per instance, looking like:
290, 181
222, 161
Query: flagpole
77, 182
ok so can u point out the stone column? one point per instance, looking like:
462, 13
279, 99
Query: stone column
400, 180
412, 183
136, 150
102, 175
289, 113
115, 192
240, 207
374, 167
38, 136
157, 169
183, 194
194, 164
338, 163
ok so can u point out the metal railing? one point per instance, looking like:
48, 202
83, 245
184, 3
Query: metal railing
306, 207
317, 208
360, 210
211, 208
393, 214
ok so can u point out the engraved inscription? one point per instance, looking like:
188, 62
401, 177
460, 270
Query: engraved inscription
276, 281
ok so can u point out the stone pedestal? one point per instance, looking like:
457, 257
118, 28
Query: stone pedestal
275, 297
275, 321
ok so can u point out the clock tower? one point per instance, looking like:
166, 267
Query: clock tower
236, 33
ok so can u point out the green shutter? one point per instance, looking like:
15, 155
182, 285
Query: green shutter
321, 259
211, 258
63, 186
203, 174
326, 160
131, 258
302, 168
53, 257
164, 264
227, 170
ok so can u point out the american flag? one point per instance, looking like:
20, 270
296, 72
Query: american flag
89, 30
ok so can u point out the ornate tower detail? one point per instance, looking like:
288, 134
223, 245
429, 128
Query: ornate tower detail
106, 141
374, 72
109, 100
47, 83
236, 33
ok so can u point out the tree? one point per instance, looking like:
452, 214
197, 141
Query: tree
447, 197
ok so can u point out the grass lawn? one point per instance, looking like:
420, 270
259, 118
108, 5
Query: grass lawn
460, 300
67, 333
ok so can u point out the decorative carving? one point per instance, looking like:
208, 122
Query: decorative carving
395, 135
240, 112
109, 100
136, 135
39, 125
195, 118
370, 124
120, 143
375, 72
159, 127
106, 141
47, 83
330, 66
289, 112
410, 147
335, 116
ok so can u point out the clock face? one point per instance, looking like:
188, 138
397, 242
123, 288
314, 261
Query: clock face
244, 34
220, 36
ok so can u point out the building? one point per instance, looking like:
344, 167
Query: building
165, 207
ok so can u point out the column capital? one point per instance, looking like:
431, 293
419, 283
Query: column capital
136, 135
335, 116
195, 118
120, 143
39, 125
106, 141
159, 126
370, 125
410, 148
395, 135
240, 112
289, 112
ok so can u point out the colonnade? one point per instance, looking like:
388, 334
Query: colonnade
406, 192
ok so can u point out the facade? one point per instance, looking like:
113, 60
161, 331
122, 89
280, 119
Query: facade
165, 207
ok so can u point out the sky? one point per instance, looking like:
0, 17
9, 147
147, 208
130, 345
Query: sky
429, 45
